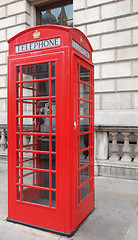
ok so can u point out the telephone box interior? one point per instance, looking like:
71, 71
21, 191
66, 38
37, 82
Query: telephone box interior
50, 128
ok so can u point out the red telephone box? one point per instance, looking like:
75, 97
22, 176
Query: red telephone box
50, 128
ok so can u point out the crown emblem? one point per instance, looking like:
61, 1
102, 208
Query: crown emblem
36, 34
81, 40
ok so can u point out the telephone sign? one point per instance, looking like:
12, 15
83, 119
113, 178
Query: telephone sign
50, 128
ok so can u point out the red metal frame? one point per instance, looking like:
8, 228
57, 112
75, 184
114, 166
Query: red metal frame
61, 208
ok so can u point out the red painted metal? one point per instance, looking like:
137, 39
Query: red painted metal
50, 177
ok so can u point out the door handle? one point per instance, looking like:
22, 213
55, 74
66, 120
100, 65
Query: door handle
75, 125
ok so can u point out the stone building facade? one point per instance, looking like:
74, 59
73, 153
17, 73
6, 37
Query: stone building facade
112, 29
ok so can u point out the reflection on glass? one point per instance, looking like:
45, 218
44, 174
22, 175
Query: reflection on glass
67, 12
55, 14
84, 141
45, 17
84, 108
17, 73
84, 124
42, 196
84, 91
84, 74
84, 174
84, 158
85, 191
53, 88
53, 162
53, 199
52, 69
35, 71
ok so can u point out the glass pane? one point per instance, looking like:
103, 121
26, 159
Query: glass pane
68, 23
55, 14
35, 107
35, 178
38, 124
53, 88
53, 124
35, 89
84, 91
35, 71
85, 191
18, 175
17, 107
84, 108
84, 74
36, 196
53, 162
18, 124
53, 180
53, 143
18, 158
18, 192
35, 160
17, 73
18, 90
84, 158
67, 12
53, 107
17, 141
84, 124
52, 69
84, 174
44, 143
37, 142
53, 199
84, 141
45, 17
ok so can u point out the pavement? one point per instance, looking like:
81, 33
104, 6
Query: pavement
115, 216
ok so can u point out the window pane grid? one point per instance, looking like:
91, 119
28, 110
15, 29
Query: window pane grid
84, 96
62, 14
36, 173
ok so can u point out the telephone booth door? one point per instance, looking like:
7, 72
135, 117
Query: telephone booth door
38, 172
84, 134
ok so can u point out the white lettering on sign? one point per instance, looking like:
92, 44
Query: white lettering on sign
81, 49
37, 45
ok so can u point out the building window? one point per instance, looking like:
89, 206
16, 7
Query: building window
59, 13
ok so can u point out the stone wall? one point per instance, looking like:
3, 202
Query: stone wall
14, 17
112, 28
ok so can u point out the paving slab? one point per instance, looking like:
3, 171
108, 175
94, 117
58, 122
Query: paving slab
115, 216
